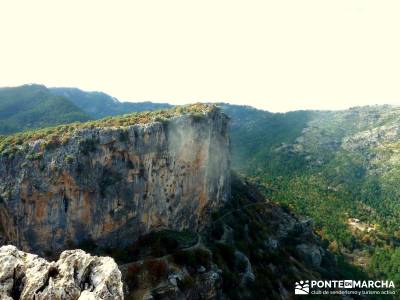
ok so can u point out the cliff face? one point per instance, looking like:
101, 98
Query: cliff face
253, 249
112, 184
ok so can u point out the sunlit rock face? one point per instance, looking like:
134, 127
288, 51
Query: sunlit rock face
76, 275
112, 184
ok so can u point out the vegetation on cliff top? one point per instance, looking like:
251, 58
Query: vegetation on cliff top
60, 134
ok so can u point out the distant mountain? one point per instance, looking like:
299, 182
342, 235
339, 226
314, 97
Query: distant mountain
255, 133
100, 105
34, 106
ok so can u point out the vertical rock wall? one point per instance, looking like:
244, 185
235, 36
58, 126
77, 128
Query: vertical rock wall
113, 184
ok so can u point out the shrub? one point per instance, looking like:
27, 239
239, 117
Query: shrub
184, 258
34, 156
132, 275
217, 230
157, 269
186, 283
68, 159
203, 257
230, 282
193, 258
227, 253
161, 243
241, 266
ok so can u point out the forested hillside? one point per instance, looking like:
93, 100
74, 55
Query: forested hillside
341, 169
211, 234
33, 106
100, 105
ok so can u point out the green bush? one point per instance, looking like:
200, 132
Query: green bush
68, 159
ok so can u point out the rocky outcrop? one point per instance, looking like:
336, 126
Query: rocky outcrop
76, 275
203, 285
312, 254
111, 184
253, 249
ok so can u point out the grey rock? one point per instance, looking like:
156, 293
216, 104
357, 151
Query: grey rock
247, 275
227, 236
310, 253
201, 269
271, 243
167, 292
76, 275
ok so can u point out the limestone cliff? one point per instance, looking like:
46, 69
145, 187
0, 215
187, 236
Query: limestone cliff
115, 179
76, 275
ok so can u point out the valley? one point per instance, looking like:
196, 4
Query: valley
312, 193
338, 166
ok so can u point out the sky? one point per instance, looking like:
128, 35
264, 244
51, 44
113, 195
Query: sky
277, 55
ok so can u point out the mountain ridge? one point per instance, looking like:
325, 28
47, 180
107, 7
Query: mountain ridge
32, 106
338, 168
99, 104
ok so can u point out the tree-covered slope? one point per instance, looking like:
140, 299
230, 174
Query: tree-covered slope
33, 106
257, 133
99, 105
341, 168
251, 249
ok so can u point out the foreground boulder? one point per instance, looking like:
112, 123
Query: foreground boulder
76, 275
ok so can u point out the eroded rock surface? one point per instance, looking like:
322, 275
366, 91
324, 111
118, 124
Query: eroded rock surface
113, 184
76, 275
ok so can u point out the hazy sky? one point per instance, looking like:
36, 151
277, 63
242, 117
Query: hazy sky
277, 55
